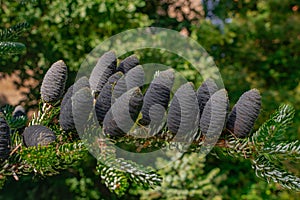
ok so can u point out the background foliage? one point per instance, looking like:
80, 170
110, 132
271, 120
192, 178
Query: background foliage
259, 48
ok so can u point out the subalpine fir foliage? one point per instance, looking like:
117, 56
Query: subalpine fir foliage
50, 144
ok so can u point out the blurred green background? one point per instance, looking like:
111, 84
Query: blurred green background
259, 47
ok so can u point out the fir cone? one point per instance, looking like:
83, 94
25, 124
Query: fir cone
38, 135
82, 107
123, 113
67, 96
157, 98
66, 116
128, 63
80, 83
133, 78
104, 99
214, 114
19, 111
53, 84
244, 113
204, 92
184, 113
105, 67
4, 139
66, 120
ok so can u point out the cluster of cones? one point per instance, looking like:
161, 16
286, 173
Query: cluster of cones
114, 93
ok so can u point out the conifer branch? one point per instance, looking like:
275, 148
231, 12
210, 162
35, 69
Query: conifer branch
46, 147
265, 168
8, 48
13, 32
7, 45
